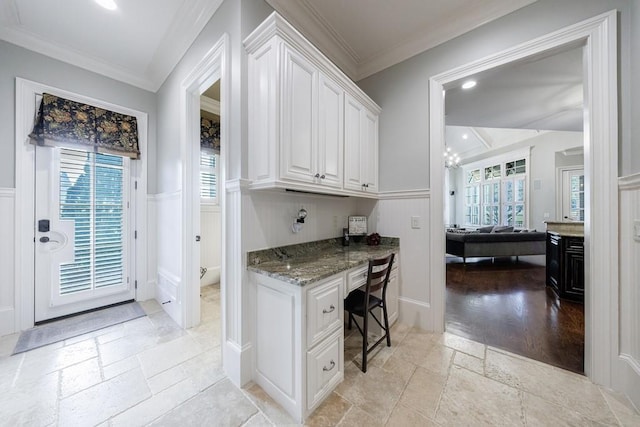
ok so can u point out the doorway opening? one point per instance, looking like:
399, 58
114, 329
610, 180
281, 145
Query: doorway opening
210, 214
598, 36
505, 138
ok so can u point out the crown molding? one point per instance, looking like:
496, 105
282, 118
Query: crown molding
306, 20
210, 105
189, 22
184, 30
53, 50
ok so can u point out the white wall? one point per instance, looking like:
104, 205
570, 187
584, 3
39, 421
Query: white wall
542, 170
628, 351
211, 243
414, 293
7, 260
268, 216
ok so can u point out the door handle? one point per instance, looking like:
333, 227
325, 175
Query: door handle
197, 238
45, 239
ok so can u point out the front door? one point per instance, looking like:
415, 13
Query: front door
81, 231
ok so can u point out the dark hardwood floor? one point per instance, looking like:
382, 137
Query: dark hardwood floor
507, 305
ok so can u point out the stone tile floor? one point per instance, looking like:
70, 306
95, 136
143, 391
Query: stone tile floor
150, 372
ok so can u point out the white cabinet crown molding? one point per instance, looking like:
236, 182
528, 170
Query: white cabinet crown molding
276, 25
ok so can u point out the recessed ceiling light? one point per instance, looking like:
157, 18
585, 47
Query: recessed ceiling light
468, 84
107, 4
465, 136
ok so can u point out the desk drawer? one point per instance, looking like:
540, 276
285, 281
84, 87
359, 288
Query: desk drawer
324, 310
325, 368
356, 278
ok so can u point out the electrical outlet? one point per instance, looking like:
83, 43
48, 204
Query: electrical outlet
415, 222
546, 215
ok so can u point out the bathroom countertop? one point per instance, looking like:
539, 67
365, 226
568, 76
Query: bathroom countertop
309, 262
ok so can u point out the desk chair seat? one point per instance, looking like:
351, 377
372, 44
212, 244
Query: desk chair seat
361, 303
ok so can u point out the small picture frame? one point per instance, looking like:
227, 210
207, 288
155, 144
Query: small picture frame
358, 225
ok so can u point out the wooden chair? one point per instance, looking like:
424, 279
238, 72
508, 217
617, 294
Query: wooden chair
361, 302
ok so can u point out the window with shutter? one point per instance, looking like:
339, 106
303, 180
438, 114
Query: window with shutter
92, 195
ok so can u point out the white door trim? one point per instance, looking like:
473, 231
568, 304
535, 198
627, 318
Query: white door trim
24, 204
213, 66
560, 187
598, 35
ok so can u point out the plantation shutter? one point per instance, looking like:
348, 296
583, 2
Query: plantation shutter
92, 195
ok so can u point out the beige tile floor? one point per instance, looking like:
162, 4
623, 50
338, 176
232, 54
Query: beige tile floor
150, 372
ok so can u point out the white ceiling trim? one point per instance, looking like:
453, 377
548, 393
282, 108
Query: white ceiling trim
312, 24
65, 54
432, 37
210, 105
180, 36
191, 19
319, 35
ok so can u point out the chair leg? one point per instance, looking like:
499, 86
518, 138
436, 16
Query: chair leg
350, 316
386, 325
365, 333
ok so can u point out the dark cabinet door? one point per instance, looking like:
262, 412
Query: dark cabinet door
574, 269
554, 254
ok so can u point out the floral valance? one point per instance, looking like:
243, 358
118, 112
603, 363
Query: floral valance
62, 122
210, 135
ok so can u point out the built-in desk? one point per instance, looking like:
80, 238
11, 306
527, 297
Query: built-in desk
299, 329
565, 259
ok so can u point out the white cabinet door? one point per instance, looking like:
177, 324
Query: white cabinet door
361, 147
299, 118
370, 151
331, 133
352, 144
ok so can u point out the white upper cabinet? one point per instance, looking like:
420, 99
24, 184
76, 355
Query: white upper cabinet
361, 147
331, 133
301, 117
299, 133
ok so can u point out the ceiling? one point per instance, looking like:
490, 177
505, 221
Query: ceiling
366, 36
138, 43
141, 42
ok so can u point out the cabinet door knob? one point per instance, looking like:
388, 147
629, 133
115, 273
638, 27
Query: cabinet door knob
331, 309
317, 175
332, 365
322, 177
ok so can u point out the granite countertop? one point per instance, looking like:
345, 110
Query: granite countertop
309, 262
566, 228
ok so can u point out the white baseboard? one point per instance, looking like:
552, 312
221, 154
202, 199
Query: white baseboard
167, 295
238, 362
416, 313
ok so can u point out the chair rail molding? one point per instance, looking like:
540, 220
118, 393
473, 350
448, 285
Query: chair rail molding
598, 35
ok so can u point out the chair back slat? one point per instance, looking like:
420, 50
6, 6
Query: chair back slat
380, 277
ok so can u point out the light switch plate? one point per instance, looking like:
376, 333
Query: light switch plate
415, 222
636, 230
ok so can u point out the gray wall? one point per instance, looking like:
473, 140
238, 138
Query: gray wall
237, 19
402, 90
19, 62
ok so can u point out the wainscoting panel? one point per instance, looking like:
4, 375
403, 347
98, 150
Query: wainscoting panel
149, 291
7, 261
629, 264
168, 209
394, 219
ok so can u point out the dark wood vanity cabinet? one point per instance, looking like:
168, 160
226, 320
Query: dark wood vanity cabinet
565, 266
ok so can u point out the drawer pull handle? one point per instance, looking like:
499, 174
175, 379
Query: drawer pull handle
331, 309
332, 365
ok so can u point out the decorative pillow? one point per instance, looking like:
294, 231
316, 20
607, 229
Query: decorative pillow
487, 229
502, 229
